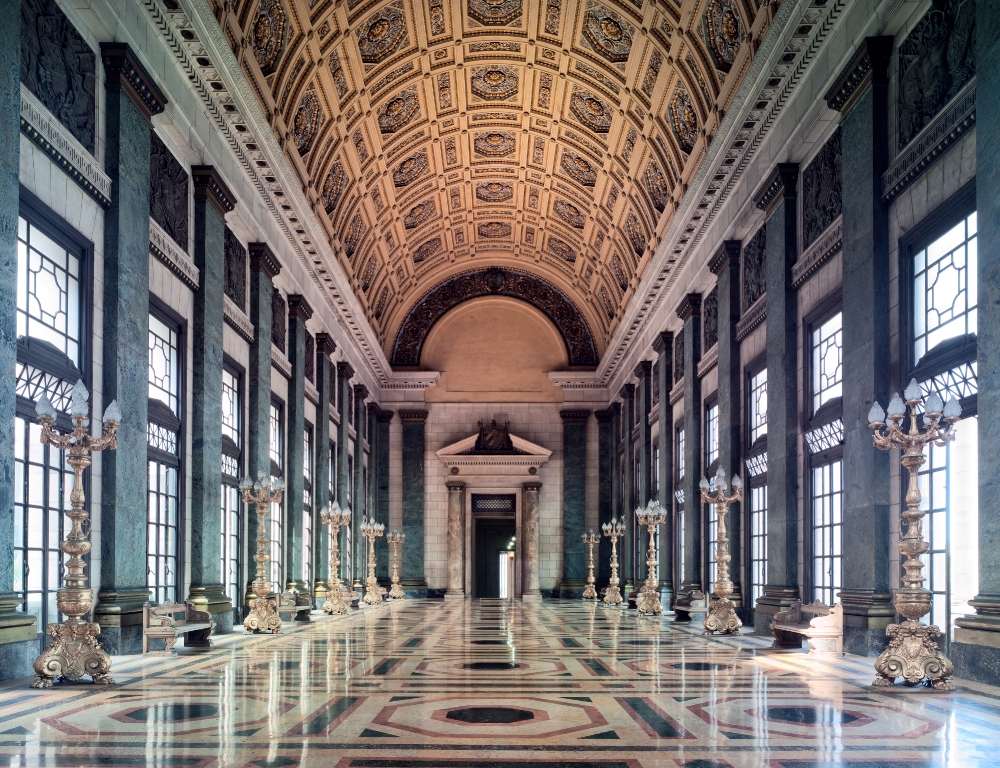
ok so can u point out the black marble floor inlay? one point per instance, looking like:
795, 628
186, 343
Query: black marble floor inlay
491, 665
489, 642
173, 713
505, 715
810, 715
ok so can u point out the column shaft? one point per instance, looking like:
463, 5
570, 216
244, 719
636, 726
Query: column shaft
412, 577
344, 374
689, 312
529, 524
627, 545
456, 540
664, 347
360, 490
299, 312
321, 466
605, 483
574, 502
643, 404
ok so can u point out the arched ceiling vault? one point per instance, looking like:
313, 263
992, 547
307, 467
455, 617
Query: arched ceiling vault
434, 137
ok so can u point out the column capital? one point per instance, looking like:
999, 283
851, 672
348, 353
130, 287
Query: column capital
578, 416
208, 185
614, 409
664, 342
784, 179
122, 69
360, 392
262, 258
643, 370
531, 485
344, 370
412, 417
727, 257
604, 417
870, 63
454, 485
627, 392
298, 307
689, 307
325, 344
384, 417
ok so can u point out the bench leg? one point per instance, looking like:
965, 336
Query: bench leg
200, 638
170, 642
786, 640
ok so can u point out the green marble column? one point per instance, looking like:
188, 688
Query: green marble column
605, 485
663, 345
360, 491
574, 578
644, 473
344, 374
132, 98
325, 384
299, 312
626, 547
689, 312
412, 572
378, 481
212, 201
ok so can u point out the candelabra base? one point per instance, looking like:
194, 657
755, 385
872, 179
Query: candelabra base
612, 596
590, 593
913, 654
396, 592
722, 618
649, 604
262, 617
74, 652
334, 604
373, 592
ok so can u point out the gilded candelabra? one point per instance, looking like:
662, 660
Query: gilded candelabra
722, 612
913, 652
335, 518
589, 540
371, 531
651, 517
614, 531
263, 615
74, 651
395, 540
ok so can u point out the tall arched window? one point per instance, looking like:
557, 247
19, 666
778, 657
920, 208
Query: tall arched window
232, 471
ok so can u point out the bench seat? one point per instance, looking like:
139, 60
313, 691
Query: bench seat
159, 621
824, 631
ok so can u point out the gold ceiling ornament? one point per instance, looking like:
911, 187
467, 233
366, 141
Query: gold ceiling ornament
683, 119
494, 191
722, 612
495, 82
371, 531
307, 120
569, 213
267, 36
333, 186
591, 111
411, 169
579, 168
398, 112
608, 33
913, 652
382, 34
420, 213
494, 143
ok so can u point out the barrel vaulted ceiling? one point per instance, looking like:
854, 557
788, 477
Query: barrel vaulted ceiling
554, 138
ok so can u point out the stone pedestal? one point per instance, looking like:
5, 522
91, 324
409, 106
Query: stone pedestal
530, 591
456, 540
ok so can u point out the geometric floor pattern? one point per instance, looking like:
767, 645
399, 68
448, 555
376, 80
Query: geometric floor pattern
428, 684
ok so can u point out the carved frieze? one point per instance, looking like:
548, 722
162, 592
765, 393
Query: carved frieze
569, 213
59, 68
236, 270
629, 146
754, 268
937, 58
307, 120
359, 146
591, 111
411, 169
608, 33
656, 186
495, 12
538, 151
494, 229
355, 229
495, 82
279, 311
494, 191
553, 9
399, 111
450, 151
444, 91
723, 32
678, 356
310, 358
710, 319
682, 119
420, 213
337, 72
821, 191
544, 91
652, 72
578, 168
168, 192
382, 35
636, 234
561, 249
333, 186
267, 35
437, 17
494, 143
612, 198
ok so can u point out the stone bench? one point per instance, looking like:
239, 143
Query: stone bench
288, 605
160, 621
824, 632
691, 607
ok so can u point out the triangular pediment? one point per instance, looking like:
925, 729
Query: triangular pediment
526, 450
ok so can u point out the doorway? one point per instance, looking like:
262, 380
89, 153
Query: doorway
495, 538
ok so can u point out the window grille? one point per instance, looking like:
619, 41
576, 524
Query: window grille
825, 437
827, 361
828, 530
758, 541
711, 434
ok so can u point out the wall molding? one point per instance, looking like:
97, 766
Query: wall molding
826, 246
236, 320
163, 247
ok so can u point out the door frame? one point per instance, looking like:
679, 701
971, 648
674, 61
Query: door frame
470, 532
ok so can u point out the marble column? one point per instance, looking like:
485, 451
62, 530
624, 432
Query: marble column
212, 201
726, 265
412, 577
605, 483
132, 98
360, 491
864, 101
530, 592
378, 481
344, 374
574, 577
264, 267
299, 312
976, 649
456, 540
18, 630
325, 375
663, 345
689, 312
778, 198
627, 544
643, 403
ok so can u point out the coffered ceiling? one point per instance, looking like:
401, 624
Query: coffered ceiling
554, 138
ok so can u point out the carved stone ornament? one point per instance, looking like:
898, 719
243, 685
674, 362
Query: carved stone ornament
683, 120
381, 35
399, 112
279, 310
569, 213
267, 35
562, 250
411, 169
754, 268
495, 82
383, 301
437, 16
591, 111
619, 272
495, 12
678, 356
494, 143
360, 147
60, 68
306, 122
420, 213
656, 186
723, 32
652, 72
333, 186
371, 268
553, 9
168, 192
821, 191
236, 270
494, 191
710, 319
636, 234
605, 298
578, 168
935, 61
608, 33
494, 282
494, 229
355, 230
310, 358
427, 249
337, 72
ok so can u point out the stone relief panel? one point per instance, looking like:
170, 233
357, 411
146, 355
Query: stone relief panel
656, 186
310, 358
168, 192
544, 91
754, 268
822, 200
608, 33
618, 270
236, 270
606, 304
578, 168
279, 314
382, 34
636, 234
723, 32
267, 35
494, 229
591, 111
710, 319
553, 10
383, 301
339, 77
427, 249
401, 110
678, 356
355, 230
419, 214
371, 267
652, 72
444, 91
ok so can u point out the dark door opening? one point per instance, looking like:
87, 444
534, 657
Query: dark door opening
494, 537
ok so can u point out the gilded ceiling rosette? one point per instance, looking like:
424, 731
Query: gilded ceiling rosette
426, 250
683, 119
494, 191
578, 168
495, 12
410, 169
495, 82
723, 31
399, 112
333, 186
608, 33
561, 249
381, 35
494, 143
494, 229
569, 213
591, 111
419, 214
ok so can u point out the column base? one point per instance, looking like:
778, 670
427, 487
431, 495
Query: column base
454, 595
571, 589
119, 612
866, 615
18, 639
213, 598
774, 599
531, 597
319, 591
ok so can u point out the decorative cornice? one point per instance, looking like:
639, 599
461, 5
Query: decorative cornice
122, 69
236, 320
412, 380
360, 392
454, 485
576, 380
663, 343
689, 307
784, 178
531, 485
728, 255
208, 185
412, 417
325, 344
298, 307
677, 392
870, 63
263, 258
643, 370
754, 316
38, 124
344, 370
575, 416
279, 361
708, 361
931, 143
163, 247
825, 247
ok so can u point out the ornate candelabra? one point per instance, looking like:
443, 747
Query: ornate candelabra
74, 651
263, 615
913, 652
651, 517
395, 540
335, 518
589, 540
614, 531
372, 530
721, 613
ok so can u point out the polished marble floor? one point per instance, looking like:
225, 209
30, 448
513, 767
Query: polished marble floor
428, 684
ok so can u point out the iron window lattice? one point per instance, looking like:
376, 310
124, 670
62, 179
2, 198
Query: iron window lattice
827, 361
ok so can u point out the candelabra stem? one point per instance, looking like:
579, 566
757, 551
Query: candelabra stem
373, 592
263, 616
722, 612
334, 604
396, 591
612, 595
650, 603
590, 593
